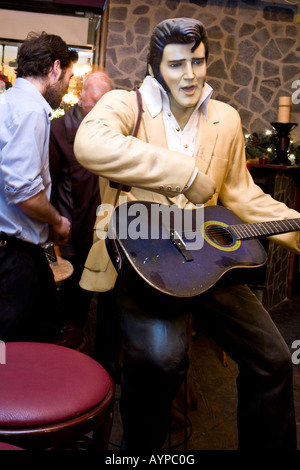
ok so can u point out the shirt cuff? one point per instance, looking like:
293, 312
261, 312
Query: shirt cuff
191, 180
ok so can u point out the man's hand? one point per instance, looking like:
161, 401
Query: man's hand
61, 231
201, 190
39, 208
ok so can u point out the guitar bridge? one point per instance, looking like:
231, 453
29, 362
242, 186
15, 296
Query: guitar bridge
180, 245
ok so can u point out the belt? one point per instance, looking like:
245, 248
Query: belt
11, 240
3, 239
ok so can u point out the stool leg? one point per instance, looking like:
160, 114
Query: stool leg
224, 359
185, 403
186, 412
101, 435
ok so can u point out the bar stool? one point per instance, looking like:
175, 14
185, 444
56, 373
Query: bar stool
4, 446
52, 397
183, 408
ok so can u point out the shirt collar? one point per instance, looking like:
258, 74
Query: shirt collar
28, 87
153, 93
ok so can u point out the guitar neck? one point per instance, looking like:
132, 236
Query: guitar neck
263, 229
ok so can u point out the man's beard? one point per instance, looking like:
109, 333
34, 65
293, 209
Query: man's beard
55, 93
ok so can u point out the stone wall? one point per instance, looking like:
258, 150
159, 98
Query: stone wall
279, 259
254, 51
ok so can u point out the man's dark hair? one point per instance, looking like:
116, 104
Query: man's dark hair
38, 53
174, 31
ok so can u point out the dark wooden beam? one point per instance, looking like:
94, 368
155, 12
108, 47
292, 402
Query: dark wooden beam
55, 8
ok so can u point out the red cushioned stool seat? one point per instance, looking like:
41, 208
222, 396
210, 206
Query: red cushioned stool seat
51, 396
4, 446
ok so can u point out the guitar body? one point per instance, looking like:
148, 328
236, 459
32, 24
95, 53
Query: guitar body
164, 266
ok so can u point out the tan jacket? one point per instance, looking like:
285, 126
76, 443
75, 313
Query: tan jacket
104, 145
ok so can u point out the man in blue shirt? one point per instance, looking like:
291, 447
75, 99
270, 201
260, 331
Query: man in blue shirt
28, 308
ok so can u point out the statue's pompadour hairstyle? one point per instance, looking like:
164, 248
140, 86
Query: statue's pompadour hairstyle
174, 31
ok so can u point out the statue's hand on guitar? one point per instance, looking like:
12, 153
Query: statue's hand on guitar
201, 190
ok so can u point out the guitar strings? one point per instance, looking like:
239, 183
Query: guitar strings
211, 230
244, 231
247, 230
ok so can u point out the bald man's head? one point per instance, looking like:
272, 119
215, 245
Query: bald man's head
94, 87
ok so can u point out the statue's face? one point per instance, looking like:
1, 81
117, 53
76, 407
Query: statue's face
184, 72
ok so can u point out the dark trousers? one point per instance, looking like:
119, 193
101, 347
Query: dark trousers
74, 300
107, 337
154, 340
29, 307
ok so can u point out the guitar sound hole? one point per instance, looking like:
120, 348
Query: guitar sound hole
220, 235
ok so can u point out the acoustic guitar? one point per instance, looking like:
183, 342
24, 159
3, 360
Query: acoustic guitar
188, 252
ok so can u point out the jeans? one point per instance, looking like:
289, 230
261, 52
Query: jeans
155, 346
